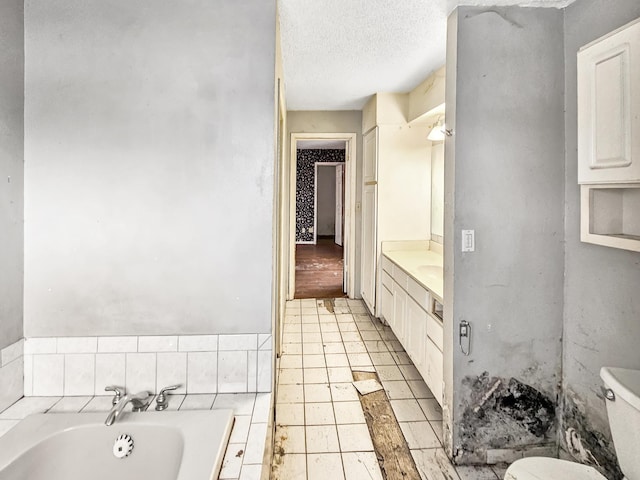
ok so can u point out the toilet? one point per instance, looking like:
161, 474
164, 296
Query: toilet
622, 390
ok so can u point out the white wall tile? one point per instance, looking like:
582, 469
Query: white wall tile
252, 371
238, 342
202, 372
198, 343
265, 368
28, 375
255, 443
40, 345
172, 370
265, 341
48, 375
117, 344
11, 379
160, 343
232, 371
79, 373
141, 372
77, 345
12, 352
110, 370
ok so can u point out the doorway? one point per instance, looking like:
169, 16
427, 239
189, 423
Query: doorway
322, 253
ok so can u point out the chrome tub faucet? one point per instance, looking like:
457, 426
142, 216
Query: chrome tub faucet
139, 401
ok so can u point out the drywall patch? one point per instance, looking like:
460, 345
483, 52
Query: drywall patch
502, 413
585, 443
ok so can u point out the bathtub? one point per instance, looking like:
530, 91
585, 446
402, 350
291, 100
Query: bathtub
186, 445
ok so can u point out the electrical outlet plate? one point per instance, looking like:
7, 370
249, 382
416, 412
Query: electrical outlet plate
468, 240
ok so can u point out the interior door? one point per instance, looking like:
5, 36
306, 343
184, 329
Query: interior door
339, 203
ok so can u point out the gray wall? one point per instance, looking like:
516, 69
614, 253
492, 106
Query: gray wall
507, 162
11, 169
149, 145
347, 121
601, 305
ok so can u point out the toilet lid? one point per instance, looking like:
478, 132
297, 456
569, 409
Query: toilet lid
541, 468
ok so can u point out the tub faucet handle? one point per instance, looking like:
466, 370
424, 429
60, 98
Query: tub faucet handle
119, 392
162, 401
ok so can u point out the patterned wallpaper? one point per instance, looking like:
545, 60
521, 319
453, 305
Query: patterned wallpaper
305, 181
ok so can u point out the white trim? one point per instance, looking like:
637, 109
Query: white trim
349, 201
315, 195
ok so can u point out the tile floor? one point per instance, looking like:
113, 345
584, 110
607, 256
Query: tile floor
248, 434
321, 430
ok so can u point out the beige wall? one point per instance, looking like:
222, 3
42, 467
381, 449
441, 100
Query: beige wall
11, 169
348, 121
149, 137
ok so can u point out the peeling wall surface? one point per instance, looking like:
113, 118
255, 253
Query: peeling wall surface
149, 163
11, 169
507, 159
602, 305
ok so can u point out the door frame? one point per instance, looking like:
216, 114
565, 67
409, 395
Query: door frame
315, 195
349, 211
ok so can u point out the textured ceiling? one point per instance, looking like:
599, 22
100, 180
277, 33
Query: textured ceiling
336, 53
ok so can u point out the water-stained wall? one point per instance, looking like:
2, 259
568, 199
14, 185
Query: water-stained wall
601, 304
504, 171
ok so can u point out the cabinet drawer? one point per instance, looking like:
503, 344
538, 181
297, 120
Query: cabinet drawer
400, 277
418, 293
435, 331
387, 281
387, 265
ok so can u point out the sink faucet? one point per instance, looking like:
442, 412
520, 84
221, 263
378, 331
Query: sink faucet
139, 401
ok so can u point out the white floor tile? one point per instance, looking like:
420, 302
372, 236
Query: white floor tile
376, 346
290, 376
331, 337
251, 472
355, 347
317, 392
290, 414
333, 348
312, 349
313, 361
437, 427
351, 337
290, 394
311, 337
419, 435
328, 327
401, 358
322, 439
410, 372
254, 452
407, 410
361, 466
389, 372
291, 361
319, 414
431, 408
344, 392
290, 467
295, 337
370, 335
382, 358
291, 349
476, 473
315, 375
359, 359
337, 360
348, 412
340, 374
311, 328
433, 463
420, 389
354, 438
348, 327
290, 439
325, 466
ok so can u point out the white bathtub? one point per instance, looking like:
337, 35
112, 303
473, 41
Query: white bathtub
186, 445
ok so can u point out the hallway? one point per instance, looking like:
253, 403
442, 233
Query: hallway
321, 430
319, 269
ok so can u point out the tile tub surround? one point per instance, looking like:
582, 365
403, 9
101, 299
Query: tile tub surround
243, 458
11, 371
57, 366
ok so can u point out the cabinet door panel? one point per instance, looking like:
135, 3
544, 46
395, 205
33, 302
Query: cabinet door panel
369, 250
416, 334
434, 370
399, 313
386, 306
370, 156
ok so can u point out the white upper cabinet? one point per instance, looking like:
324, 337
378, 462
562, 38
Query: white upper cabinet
609, 108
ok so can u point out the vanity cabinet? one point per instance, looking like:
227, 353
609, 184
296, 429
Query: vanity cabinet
609, 108
608, 143
407, 307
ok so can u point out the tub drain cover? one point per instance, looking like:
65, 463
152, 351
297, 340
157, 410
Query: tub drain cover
123, 446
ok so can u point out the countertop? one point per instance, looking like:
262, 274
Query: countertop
424, 265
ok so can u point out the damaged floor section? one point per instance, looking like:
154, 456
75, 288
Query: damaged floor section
321, 428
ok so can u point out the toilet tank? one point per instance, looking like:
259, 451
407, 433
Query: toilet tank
624, 417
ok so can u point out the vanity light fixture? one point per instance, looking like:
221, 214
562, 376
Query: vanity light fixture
437, 133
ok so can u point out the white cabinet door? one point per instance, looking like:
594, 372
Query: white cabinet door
386, 305
399, 313
434, 372
416, 335
369, 251
609, 108
370, 156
